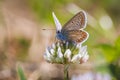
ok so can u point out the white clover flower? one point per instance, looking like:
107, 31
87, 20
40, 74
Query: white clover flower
66, 53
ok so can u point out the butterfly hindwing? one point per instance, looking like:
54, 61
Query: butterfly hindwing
77, 36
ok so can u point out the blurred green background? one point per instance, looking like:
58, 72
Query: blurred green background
22, 40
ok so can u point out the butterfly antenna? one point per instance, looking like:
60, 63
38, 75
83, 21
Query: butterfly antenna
47, 29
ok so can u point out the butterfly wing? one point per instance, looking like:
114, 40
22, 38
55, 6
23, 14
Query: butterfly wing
77, 22
77, 36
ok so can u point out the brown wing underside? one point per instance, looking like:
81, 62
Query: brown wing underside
77, 36
76, 22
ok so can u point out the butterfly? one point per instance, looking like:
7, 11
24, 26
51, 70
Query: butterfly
72, 31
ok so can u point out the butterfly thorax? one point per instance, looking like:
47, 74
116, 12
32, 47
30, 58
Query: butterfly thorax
61, 36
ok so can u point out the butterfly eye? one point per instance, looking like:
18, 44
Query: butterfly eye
58, 31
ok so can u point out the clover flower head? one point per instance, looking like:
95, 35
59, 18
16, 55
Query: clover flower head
66, 53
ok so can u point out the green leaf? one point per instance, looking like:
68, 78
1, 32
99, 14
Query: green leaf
21, 73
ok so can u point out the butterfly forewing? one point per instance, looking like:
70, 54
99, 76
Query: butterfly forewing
77, 36
77, 22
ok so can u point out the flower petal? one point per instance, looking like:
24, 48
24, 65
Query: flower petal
67, 43
46, 57
60, 55
52, 51
47, 53
83, 50
53, 46
84, 59
67, 54
79, 45
75, 59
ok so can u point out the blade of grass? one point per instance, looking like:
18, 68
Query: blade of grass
21, 73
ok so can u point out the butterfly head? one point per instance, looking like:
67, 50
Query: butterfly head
58, 27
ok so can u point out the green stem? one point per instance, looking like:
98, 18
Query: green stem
66, 76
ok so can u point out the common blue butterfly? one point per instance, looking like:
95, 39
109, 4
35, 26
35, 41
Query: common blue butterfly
72, 31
